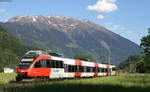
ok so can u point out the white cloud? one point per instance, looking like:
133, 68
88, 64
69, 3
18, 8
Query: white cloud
118, 27
104, 6
115, 27
101, 16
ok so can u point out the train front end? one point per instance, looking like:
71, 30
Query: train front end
25, 64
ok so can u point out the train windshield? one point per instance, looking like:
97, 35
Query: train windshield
24, 66
25, 63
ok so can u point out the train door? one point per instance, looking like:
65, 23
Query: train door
57, 69
66, 70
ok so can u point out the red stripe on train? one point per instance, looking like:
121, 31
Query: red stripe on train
39, 71
78, 63
96, 73
77, 74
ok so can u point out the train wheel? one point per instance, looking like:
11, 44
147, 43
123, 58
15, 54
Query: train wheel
18, 79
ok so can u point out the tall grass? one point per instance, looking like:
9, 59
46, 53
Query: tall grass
6, 77
122, 83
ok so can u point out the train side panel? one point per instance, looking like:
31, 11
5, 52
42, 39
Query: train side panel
57, 67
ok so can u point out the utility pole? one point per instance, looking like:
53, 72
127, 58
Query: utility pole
107, 47
109, 60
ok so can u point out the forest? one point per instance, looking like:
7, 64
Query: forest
139, 63
11, 49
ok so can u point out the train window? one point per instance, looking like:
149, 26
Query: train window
103, 70
73, 68
80, 69
61, 64
106, 70
57, 64
95, 69
24, 66
53, 64
48, 63
84, 68
87, 69
69, 68
43, 63
99, 69
76, 68
37, 64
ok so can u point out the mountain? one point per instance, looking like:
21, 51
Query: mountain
10, 49
71, 36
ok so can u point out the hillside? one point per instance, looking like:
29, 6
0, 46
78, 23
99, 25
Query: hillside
71, 36
10, 49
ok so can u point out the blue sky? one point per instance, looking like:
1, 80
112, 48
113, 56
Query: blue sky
128, 18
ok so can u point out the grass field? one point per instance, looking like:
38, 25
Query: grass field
6, 78
121, 83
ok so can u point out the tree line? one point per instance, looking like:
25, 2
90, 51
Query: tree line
139, 63
11, 49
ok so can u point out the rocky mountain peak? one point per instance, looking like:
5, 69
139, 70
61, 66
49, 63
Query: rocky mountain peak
70, 36
59, 19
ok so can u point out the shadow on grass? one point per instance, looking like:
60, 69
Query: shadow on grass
74, 88
20, 82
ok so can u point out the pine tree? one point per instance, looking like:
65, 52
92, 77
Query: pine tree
145, 45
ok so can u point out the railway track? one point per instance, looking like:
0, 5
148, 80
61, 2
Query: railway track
14, 83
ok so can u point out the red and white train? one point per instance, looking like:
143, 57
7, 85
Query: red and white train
36, 64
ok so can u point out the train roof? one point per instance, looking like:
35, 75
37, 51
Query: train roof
55, 56
88, 63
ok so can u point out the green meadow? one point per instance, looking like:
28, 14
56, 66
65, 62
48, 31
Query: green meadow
120, 83
6, 78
